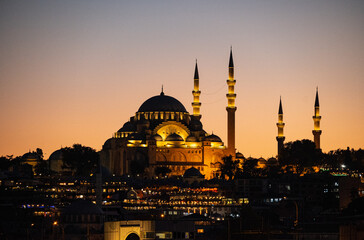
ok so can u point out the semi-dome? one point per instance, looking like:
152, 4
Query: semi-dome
56, 155
272, 161
239, 155
191, 138
213, 138
127, 127
108, 143
174, 137
136, 136
157, 137
192, 172
162, 103
31, 156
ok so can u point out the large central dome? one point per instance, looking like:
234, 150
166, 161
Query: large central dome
162, 103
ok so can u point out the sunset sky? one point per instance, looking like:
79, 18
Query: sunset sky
74, 71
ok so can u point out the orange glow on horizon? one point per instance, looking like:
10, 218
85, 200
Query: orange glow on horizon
77, 76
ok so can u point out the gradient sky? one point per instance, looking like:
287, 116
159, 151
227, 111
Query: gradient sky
75, 71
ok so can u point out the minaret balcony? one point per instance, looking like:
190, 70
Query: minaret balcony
231, 82
231, 95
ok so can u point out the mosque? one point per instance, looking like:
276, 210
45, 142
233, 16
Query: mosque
163, 134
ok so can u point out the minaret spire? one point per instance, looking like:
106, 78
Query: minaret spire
231, 64
280, 125
316, 121
196, 72
231, 108
317, 103
196, 104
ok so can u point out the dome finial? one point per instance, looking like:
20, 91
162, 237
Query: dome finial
162, 93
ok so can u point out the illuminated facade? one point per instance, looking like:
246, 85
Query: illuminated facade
163, 134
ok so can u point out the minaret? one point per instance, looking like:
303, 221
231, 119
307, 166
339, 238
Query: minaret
280, 125
316, 120
231, 108
196, 104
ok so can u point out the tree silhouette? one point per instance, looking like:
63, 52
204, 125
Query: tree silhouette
249, 167
5, 162
80, 159
229, 167
350, 158
42, 167
302, 154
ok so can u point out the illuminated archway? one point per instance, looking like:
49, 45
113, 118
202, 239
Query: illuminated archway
132, 236
166, 128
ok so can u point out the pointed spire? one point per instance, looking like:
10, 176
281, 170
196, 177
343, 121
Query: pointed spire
280, 111
162, 93
317, 104
196, 104
196, 71
231, 62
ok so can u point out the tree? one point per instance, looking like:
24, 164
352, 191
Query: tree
80, 159
302, 154
42, 167
5, 162
348, 159
229, 167
249, 167
330, 160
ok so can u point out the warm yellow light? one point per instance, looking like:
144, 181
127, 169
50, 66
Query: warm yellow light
216, 144
55, 223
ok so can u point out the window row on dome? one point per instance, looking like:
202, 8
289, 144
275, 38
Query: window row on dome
122, 134
178, 116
